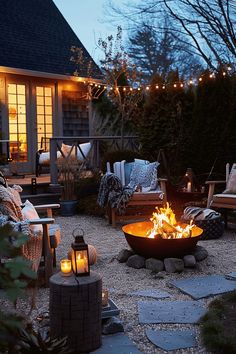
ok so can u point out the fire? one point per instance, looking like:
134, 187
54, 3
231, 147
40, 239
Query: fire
165, 225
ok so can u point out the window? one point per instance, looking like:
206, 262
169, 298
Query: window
44, 115
17, 122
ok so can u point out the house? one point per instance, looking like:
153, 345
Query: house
39, 95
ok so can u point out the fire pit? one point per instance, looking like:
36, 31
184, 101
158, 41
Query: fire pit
162, 237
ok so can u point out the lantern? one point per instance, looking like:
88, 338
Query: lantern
189, 182
80, 254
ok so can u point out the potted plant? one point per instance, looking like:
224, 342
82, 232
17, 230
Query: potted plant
69, 169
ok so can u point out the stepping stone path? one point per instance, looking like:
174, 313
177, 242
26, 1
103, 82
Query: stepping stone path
117, 344
201, 287
164, 312
172, 339
170, 311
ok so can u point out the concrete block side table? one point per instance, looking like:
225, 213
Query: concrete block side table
75, 310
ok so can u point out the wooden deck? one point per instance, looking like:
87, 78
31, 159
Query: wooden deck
35, 189
27, 180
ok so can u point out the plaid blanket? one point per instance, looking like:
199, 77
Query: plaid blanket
111, 192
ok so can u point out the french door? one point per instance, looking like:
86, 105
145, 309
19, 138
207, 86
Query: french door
44, 111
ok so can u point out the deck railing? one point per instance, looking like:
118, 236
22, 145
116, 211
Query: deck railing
94, 158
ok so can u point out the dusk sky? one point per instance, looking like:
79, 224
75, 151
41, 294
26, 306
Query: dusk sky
85, 17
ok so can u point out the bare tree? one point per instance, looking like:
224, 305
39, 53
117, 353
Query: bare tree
161, 51
121, 79
208, 24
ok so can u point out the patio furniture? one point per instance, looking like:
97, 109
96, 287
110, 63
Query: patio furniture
81, 151
43, 237
146, 196
226, 200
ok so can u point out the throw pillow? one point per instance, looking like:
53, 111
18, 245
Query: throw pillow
128, 168
66, 149
85, 148
144, 175
231, 183
143, 162
29, 212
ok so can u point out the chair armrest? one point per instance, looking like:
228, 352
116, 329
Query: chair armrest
211, 190
48, 208
162, 180
214, 182
43, 221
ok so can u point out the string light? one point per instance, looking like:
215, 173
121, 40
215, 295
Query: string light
93, 84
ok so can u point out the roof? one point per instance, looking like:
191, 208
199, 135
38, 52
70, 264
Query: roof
35, 36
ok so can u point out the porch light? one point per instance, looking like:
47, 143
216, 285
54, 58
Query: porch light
80, 254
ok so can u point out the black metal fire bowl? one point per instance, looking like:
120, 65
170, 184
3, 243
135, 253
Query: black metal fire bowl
158, 247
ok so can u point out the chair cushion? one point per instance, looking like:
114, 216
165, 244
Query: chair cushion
231, 183
44, 157
29, 212
144, 175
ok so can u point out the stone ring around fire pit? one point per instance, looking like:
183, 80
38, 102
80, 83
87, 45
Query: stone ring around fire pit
158, 247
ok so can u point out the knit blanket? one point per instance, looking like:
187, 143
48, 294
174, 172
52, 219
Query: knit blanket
111, 192
10, 212
196, 213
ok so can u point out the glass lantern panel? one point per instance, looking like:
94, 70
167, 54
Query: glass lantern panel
80, 261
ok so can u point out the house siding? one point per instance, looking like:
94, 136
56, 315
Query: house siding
75, 113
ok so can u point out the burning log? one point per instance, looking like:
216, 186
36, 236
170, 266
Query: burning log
166, 226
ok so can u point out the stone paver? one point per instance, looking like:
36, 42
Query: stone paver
155, 293
206, 286
117, 344
232, 275
172, 339
170, 311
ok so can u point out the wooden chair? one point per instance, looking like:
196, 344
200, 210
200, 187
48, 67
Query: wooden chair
226, 200
51, 232
142, 204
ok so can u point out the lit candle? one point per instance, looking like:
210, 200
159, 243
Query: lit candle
81, 264
189, 187
66, 267
104, 297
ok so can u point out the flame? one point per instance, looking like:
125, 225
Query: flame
165, 225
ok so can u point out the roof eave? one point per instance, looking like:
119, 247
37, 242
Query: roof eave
17, 71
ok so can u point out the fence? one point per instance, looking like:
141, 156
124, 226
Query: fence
111, 142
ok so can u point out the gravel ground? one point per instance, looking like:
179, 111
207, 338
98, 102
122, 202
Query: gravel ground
122, 280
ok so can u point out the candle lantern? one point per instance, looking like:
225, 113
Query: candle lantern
189, 182
80, 254
104, 297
